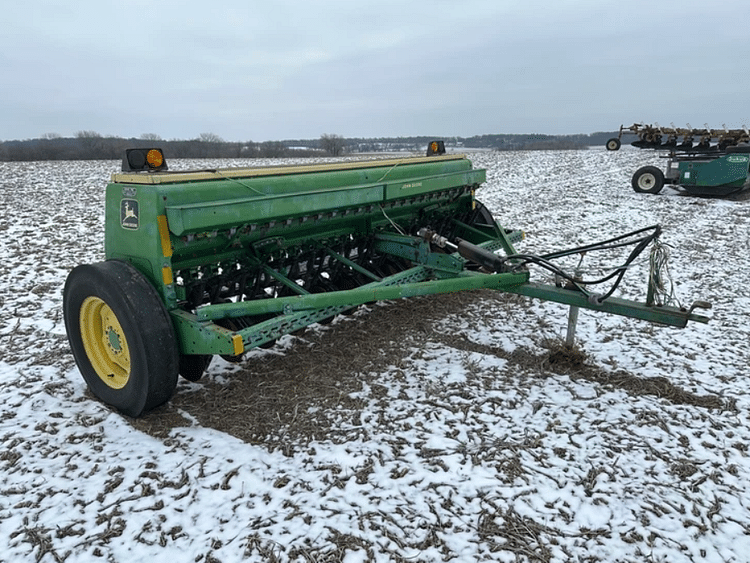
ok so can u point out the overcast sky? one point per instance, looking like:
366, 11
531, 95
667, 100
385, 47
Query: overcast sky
273, 70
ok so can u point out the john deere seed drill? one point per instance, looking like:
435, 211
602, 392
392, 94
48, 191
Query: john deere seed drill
704, 162
217, 262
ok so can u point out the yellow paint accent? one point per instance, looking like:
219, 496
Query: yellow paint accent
104, 342
166, 244
218, 174
166, 275
239, 347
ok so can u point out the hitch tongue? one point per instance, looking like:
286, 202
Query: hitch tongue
467, 250
699, 305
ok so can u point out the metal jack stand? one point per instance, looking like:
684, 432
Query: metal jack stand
572, 321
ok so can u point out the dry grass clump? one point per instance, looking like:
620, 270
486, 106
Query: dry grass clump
572, 361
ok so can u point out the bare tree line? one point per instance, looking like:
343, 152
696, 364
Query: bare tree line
90, 145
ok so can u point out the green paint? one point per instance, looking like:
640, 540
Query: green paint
254, 219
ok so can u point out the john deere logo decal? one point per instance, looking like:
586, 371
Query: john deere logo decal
129, 214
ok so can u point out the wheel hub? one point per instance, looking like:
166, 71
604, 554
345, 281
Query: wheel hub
646, 181
105, 343
113, 339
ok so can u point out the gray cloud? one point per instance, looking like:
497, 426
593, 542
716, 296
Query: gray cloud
277, 70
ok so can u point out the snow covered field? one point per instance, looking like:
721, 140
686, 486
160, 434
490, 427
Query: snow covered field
439, 429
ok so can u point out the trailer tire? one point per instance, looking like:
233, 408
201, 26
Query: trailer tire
648, 180
121, 336
193, 366
613, 144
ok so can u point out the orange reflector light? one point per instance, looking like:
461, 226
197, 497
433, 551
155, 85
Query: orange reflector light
435, 147
154, 158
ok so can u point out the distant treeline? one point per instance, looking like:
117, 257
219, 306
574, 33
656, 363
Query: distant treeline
499, 142
108, 148
92, 146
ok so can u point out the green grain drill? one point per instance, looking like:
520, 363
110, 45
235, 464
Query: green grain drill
217, 262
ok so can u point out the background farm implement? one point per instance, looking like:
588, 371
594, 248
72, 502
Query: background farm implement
705, 162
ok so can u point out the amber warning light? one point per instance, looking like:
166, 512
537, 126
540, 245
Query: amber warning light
435, 147
150, 160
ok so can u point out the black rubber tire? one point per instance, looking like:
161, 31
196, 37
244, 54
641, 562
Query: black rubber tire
143, 330
193, 366
648, 180
613, 144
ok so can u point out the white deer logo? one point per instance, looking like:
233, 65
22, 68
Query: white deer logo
129, 213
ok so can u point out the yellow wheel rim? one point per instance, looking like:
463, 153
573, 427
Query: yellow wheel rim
104, 342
